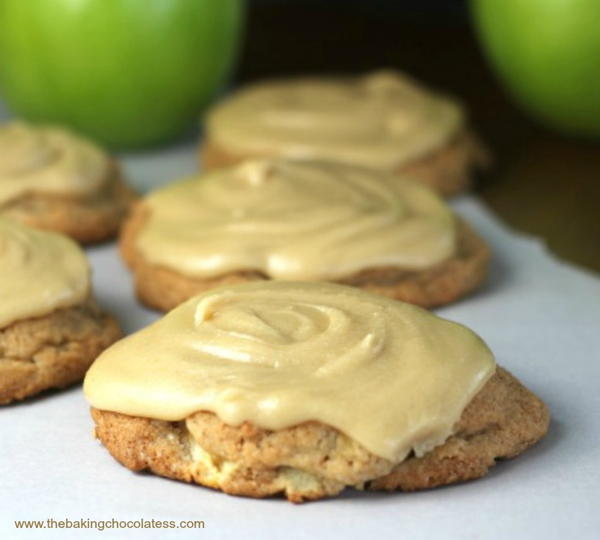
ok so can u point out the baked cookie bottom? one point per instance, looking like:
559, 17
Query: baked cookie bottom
87, 220
52, 351
162, 288
313, 460
448, 170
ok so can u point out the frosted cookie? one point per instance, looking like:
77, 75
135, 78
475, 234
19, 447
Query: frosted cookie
51, 328
53, 179
299, 220
383, 120
303, 389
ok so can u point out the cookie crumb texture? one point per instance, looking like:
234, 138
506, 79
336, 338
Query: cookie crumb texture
52, 351
312, 461
87, 220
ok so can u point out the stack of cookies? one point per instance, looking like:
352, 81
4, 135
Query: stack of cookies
297, 356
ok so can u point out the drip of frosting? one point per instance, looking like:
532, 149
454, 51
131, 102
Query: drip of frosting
48, 160
391, 376
382, 120
39, 272
295, 220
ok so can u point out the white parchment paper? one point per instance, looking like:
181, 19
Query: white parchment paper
540, 316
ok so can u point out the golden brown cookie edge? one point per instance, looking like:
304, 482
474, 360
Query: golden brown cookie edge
88, 220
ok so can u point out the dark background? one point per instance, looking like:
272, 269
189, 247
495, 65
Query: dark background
541, 183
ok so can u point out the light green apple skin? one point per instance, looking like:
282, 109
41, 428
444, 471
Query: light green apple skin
128, 73
547, 53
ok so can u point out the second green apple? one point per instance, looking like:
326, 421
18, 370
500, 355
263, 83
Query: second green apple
547, 52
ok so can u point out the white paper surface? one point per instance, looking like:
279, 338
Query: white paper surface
540, 316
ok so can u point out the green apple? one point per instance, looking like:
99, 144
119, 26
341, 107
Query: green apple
547, 52
125, 72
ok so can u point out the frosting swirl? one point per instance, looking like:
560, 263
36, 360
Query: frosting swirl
40, 272
48, 160
381, 120
276, 332
390, 375
295, 221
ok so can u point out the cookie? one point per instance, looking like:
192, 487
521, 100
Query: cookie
324, 221
313, 460
304, 389
51, 328
382, 120
52, 179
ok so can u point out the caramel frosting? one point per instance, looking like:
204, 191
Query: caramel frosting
295, 220
48, 160
391, 376
382, 120
39, 272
